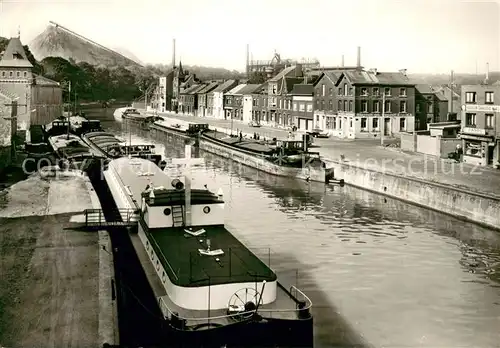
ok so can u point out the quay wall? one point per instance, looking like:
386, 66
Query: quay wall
467, 205
108, 308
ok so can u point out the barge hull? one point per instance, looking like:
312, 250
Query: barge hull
307, 173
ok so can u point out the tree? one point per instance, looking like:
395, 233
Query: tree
257, 77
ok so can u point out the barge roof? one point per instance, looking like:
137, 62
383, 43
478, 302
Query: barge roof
188, 268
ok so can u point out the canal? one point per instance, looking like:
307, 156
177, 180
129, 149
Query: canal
380, 272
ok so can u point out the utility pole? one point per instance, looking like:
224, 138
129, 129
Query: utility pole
382, 121
69, 109
451, 93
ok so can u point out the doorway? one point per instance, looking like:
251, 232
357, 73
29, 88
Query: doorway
490, 152
387, 126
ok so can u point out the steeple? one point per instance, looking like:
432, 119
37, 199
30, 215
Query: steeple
15, 56
181, 72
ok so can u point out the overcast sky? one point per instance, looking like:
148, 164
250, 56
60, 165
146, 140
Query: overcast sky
423, 36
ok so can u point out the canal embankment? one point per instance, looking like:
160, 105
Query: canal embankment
56, 284
464, 191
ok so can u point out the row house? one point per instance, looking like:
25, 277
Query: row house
279, 102
189, 100
248, 101
360, 104
215, 99
233, 103
260, 103
325, 100
302, 99
202, 98
431, 106
480, 119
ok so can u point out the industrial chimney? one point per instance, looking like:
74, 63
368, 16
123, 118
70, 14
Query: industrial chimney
248, 61
358, 64
173, 53
342, 62
487, 73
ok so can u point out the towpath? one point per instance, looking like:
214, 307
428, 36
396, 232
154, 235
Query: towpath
55, 285
369, 154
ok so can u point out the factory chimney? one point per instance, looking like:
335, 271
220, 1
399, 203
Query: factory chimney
358, 64
248, 61
173, 53
487, 73
342, 62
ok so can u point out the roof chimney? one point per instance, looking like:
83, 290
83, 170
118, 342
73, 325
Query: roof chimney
359, 57
342, 62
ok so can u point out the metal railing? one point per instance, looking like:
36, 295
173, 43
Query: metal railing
303, 305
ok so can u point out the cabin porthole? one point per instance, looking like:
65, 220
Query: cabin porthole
206, 209
167, 211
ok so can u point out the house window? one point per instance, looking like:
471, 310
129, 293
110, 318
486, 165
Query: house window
364, 127
274, 89
376, 91
309, 107
472, 149
351, 91
322, 105
374, 123
376, 106
323, 90
345, 105
402, 124
489, 120
417, 108
402, 92
350, 105
364, 106
489, 96
470, 97
402, 106
345, 89
295, 106
331, 91
3, 73
18, 74
387, 106
350, 122
302, 107
340, 91
429, 108
340, 105
330, 105
10, 73
387, 91
364, 91
470, 120
25, 74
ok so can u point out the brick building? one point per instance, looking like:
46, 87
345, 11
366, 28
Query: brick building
279, 102
188, 99
216, 98
359, 104
480, 132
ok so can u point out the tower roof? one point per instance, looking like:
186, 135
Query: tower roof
15, 56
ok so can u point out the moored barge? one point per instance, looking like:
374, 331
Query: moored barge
211, 289
108, 145
288, 158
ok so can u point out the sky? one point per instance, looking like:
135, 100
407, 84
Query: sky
423, 36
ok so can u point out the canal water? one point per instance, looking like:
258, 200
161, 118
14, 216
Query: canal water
380, 272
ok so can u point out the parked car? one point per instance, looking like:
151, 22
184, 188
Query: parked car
253, 124
319, 133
